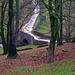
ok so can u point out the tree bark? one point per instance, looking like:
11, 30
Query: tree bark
61, 25
2, 28
12, 47
52, 39
69, 34
17, 19
59, 11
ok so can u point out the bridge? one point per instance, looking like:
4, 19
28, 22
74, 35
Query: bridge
36, 38
27, 35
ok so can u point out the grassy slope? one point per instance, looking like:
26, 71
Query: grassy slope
64, 66
44, 26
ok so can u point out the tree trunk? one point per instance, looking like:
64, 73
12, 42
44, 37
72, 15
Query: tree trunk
52, 39
60, 35
57, 13
51, 49
17, 19
61, 26
69, 23
12, 47
2, 28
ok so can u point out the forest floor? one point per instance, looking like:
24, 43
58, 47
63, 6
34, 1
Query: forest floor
23, 63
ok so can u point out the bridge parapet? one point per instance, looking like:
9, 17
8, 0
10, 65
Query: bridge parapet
27, 39
42, 35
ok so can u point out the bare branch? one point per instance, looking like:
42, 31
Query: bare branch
22, 7
25, 19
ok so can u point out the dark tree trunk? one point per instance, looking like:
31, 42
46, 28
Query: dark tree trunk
53, 37
52, 44
17, 20
69, 33
2, 28
61, 25
57, 13
60, 34
12, 47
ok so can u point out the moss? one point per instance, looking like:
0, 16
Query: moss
34, 56
57, 53
2, 64
64, 50
45, 55
40, 57
20, 57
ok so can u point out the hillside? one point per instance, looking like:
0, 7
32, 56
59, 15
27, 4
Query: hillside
33, 62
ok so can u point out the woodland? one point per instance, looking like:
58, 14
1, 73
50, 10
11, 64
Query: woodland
37, 37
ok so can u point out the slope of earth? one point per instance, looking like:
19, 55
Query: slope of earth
33, 62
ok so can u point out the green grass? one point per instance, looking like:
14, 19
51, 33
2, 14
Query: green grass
57, 53
1, 50
21, 48
64, 67
25, 47
28, 46
64, 50
44, 27
36, 22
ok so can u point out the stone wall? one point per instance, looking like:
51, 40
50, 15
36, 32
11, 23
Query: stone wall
27, 39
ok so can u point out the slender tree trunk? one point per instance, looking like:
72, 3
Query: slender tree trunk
8, 36
69, 23
17, 19
2, 28
60, 35
57, 12
61, 25
66, 32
